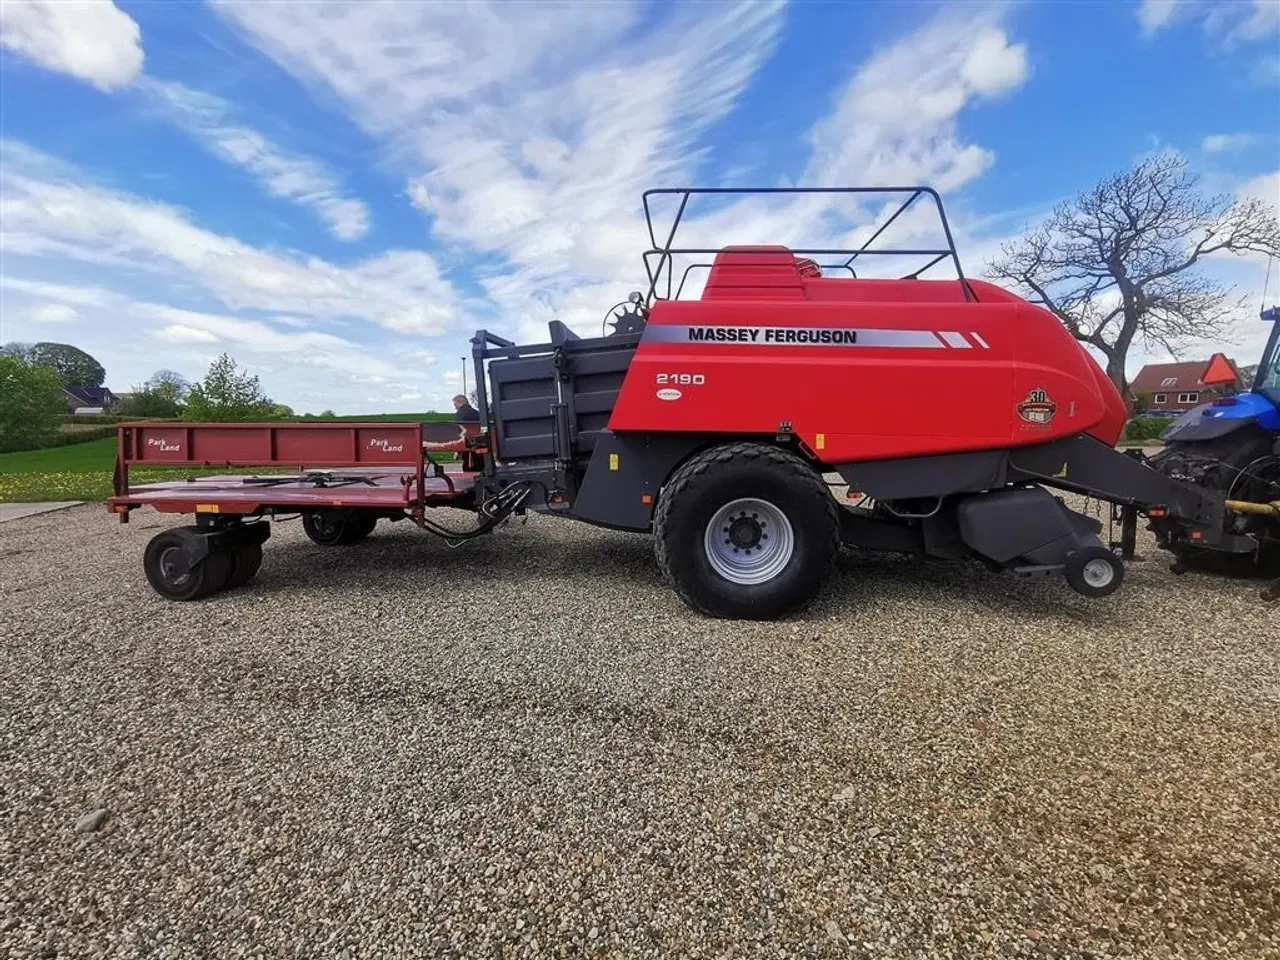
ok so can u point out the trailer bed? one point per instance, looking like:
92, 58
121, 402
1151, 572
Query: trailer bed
380, 467
251, 494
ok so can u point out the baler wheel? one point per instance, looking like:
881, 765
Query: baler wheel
160, 563
245, 562
746, 531
1095, 572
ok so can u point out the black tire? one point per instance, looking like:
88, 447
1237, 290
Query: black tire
208, 576
715, 478
1095, 572
245, 562
337, 528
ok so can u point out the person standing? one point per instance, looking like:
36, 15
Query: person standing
464, 412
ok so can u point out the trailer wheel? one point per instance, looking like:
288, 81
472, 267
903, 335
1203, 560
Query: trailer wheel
165, 569
245, 562
746, 531
1095, 572
337, 528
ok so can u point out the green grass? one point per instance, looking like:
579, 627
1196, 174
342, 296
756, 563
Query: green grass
74, 458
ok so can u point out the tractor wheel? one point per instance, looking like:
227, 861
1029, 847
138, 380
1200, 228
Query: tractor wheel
337, 528
1095, 572
244, 564
163, 567
746, 531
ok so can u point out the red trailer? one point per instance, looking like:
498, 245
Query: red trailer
344, 478
950, 406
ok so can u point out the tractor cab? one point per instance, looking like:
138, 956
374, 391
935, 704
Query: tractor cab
1267, 383
1258, 408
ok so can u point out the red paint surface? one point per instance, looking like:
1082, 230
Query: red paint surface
866, 402
233, 496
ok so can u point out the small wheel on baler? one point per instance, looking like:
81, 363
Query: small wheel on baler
746, 531
1095, 572
168, 575
245, 562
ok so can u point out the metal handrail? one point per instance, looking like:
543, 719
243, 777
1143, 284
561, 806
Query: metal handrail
666, 252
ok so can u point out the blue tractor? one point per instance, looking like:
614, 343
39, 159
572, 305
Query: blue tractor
1232, 444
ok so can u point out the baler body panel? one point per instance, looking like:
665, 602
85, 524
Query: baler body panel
862, 369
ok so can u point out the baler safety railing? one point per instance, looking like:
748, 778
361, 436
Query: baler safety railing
665, 252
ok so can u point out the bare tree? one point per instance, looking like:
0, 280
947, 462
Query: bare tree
1121, 261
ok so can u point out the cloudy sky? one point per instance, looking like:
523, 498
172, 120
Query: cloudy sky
339, 194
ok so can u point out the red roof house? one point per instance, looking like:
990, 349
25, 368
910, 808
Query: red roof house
1171, 388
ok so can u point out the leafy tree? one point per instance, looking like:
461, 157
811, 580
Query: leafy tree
1121, 261
226, 394
170, 384
74, 367
14, 348
160, 397
281, 411
31, 403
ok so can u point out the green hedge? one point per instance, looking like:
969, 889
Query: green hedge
1146, 428
67, 439
113, 418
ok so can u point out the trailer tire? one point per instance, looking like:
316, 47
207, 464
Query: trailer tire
746, 487
1095, 572
245, 562
208, 576
337, 528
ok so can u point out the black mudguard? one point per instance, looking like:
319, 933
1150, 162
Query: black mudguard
620, 486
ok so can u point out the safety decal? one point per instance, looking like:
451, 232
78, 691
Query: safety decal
1038, 407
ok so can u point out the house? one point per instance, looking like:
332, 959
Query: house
89, 399
1173, 388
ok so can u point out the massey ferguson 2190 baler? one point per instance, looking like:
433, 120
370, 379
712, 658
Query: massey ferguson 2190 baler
949, 407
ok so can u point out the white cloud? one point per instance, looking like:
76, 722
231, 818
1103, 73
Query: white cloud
92, 40
182, 333
538, 155
300, 179
306, 368
1227, 142
1229, 23
50, 216
53, 313
1154, 14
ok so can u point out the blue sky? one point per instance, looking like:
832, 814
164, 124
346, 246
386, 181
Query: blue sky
339, 194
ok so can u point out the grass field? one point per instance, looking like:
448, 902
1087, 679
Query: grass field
82, 471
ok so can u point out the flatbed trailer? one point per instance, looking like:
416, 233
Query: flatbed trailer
709, 424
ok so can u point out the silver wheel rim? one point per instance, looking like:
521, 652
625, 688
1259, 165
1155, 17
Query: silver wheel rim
749, 541
1099, 573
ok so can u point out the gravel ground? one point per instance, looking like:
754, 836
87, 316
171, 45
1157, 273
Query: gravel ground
528, 746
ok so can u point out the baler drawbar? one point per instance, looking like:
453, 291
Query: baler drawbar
950, 408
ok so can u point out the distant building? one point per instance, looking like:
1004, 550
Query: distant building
82, 400
1172, 388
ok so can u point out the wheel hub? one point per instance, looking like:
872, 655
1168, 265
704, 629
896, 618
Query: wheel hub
749, 541
174, 567
745, 532
1098, 573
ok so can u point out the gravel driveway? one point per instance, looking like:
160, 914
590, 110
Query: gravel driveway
527, 746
